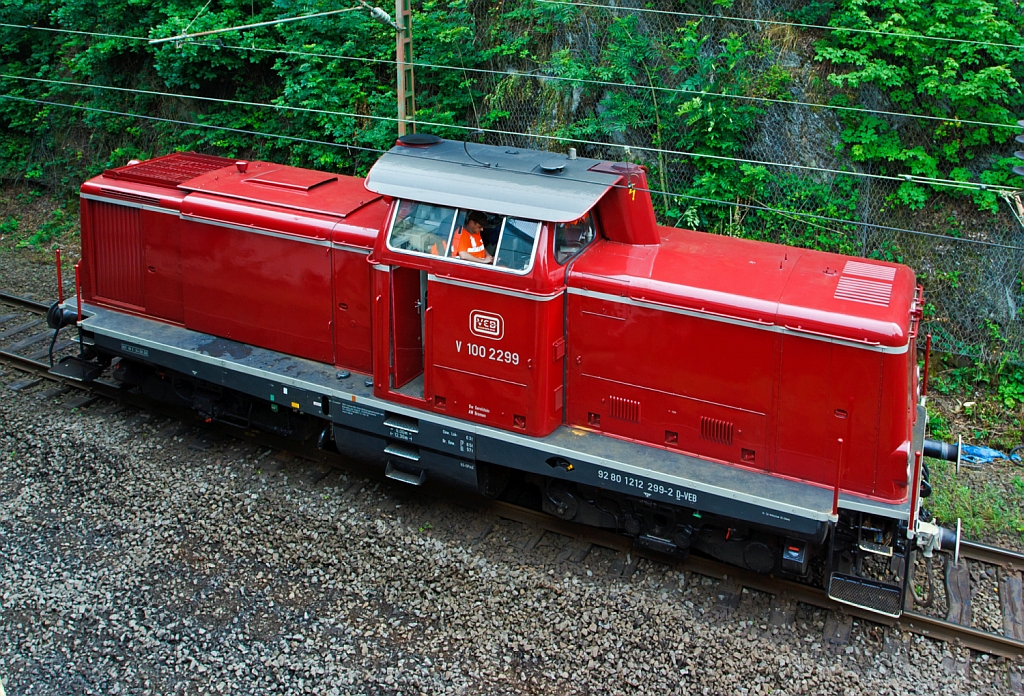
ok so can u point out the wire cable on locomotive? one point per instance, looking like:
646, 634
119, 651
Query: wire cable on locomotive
758, 403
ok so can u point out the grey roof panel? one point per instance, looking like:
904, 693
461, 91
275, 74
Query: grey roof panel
494, 179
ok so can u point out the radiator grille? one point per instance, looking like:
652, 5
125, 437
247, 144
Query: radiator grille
134, 197
117, 252
715, 430
865, 291
624, 409
169, 170
869, 270
866, 594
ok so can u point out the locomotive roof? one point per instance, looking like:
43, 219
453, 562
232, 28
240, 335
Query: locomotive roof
513, 181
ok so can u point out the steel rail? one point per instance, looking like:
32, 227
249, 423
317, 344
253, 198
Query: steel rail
20, 361
921, 624
914, 622
27, 364
25, 303
973, 638
993, 555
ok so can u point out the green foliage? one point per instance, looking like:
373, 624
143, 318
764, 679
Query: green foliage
332, 94
58, 225
1011, 387
985, 508
956, 82
8, 227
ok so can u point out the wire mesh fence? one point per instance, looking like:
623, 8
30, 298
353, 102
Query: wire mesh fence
789, 180
741, 129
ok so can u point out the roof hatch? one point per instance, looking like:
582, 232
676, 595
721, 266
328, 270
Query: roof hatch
292, 179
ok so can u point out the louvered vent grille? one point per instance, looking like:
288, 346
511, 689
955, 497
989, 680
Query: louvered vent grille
117, 252
134, 197
864, 291
715, 430
169, 170
869, 270
624, 409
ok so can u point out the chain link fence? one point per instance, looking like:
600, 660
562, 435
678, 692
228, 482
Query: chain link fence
784, 182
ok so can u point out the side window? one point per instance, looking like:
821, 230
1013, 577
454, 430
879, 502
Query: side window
515, 244
421, 227
571, 237
435, 230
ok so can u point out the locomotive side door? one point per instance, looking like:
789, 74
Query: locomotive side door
408, 299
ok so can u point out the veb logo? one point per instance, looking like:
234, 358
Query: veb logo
486, 324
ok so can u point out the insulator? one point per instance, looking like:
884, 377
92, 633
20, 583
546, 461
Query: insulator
382, 17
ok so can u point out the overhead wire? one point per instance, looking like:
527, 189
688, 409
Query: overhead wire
162, 119
652, 192
948, 183
554, 78
775, 22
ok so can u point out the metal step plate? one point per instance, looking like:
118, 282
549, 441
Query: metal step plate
879, 597
396, 474
73, 367
877, 549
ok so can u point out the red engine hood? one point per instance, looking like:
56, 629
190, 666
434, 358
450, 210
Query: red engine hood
814, 292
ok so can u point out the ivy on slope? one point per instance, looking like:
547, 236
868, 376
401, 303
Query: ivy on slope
722, 60
954, 81
60, 146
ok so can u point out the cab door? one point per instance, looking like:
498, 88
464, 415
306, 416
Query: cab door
496, 356
407, 303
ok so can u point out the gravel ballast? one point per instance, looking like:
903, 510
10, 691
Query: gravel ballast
134, 563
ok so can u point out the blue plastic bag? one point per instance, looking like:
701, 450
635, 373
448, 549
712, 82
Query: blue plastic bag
975, 454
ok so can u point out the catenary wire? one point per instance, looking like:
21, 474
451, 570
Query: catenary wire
189, 123
554, 78
910, 178
652, 192
696, 15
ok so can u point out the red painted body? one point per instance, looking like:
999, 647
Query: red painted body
273, 256
754, 354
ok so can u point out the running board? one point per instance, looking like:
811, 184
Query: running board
879, 597
405, 476
74, 368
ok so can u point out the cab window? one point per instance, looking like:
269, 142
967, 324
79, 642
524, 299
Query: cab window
572, 237
515, 244
422, 228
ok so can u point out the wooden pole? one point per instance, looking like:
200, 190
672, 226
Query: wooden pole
403, 58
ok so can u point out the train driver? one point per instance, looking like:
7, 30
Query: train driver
468, 244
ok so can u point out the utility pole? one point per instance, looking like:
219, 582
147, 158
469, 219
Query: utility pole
403, 58
402, 24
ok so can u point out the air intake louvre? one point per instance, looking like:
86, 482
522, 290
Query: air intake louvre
715, 430
624, 409
134, 197
869, 270
865, 291
169, 170
117, 252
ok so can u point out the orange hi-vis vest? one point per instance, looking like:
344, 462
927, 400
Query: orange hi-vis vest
467, 241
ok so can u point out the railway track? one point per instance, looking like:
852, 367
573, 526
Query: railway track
24, 345
24, 333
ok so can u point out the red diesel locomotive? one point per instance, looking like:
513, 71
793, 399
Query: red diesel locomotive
468, 312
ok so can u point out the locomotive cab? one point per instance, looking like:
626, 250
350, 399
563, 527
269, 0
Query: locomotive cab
469, 277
